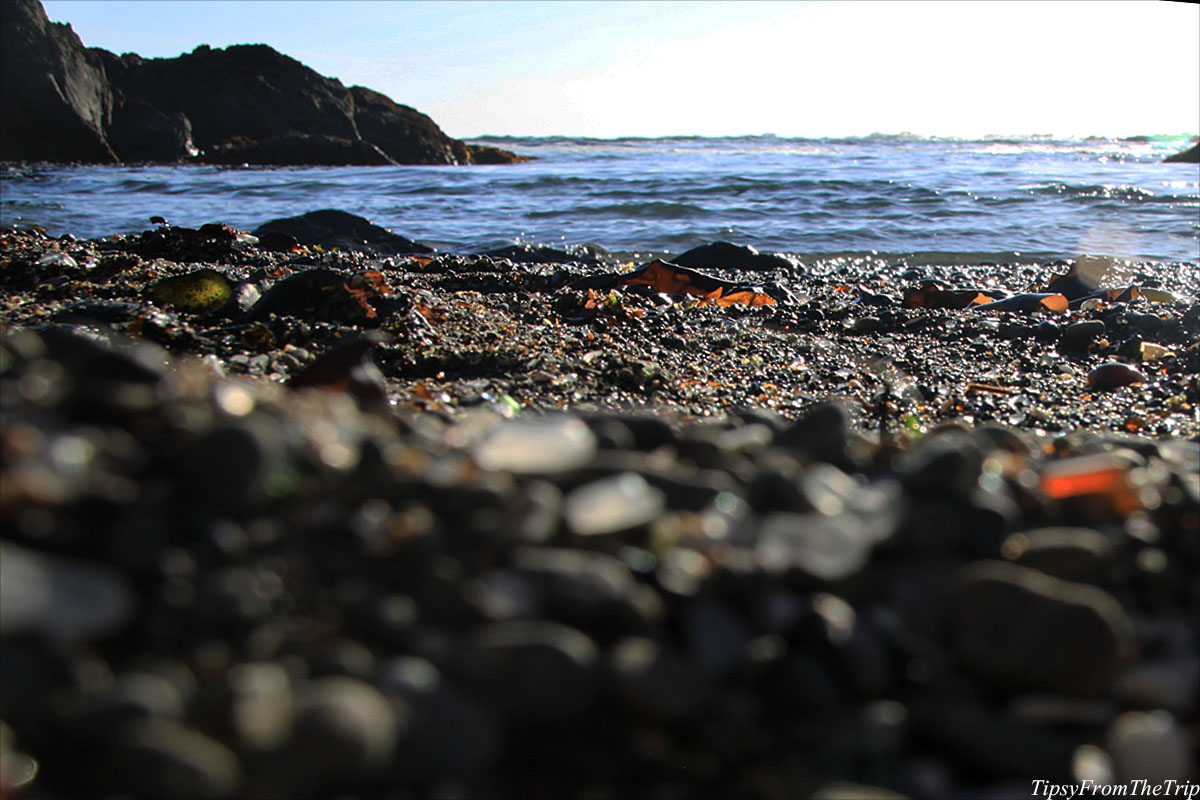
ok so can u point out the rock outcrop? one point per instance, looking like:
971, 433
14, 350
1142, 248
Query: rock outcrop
332, 228
1189, 156
55, 102
241, 104
724, 255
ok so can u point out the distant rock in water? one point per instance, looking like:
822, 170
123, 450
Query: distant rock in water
331, 228
61, 101
541, 254
723, 255
1189, 156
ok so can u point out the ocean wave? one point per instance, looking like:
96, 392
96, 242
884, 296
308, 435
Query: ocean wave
651, 210
893, 192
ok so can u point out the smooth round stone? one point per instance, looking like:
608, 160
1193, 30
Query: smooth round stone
828, 548
343, 727
612, 505
1091, 763
133, 695
593, 590
261, 694
451, 734
63, 600
1022, 629
166, 759
1072, 554
948, 463
1149, 746
854, 791
877, 505
656, 680
538, 446
1079, 334
824, 431
533, 670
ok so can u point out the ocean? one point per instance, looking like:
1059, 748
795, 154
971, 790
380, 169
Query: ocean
928, 200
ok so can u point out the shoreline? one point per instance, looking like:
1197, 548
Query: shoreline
377, 568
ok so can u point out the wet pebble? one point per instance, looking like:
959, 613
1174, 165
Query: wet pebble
1151, 746
1078, 335
657, 680
948, 462
342, 728
612, 505
176, 761
1072, 554
532, 670
1020, 629
260, 705
64, 600
826, 548
536, 446
1113, 375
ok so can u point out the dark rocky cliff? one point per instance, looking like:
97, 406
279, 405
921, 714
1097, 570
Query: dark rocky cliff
243, 104
1189, 156
55, 103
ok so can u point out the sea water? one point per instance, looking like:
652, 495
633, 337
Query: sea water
942, 200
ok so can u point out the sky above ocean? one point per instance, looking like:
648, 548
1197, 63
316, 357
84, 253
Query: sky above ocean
644, 68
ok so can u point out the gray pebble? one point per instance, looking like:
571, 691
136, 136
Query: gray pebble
946, 462
451, 735
67, 601
1072, 554
1023, 629
536, 446
823, 431
585, 588
1151, 746
612, 505
827, 548
342, 728
656, 680
261, 705
844, 790
1078, 335
175, 761
532, 670
131, 696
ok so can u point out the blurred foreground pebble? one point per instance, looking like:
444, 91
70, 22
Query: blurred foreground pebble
229, 588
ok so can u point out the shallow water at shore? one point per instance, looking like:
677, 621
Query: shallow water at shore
967, 201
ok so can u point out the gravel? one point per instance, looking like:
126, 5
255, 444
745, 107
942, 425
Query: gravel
446, 542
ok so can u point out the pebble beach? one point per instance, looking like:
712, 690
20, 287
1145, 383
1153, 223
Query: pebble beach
304, 521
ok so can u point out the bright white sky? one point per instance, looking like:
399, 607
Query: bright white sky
608, 69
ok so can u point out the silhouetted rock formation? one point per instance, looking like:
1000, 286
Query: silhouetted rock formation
1189, 156
242, 104
55, 102
332, 228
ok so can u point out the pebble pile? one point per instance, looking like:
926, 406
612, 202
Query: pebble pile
221, 586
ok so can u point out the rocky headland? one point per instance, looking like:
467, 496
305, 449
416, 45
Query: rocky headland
1189, 156
61, 101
